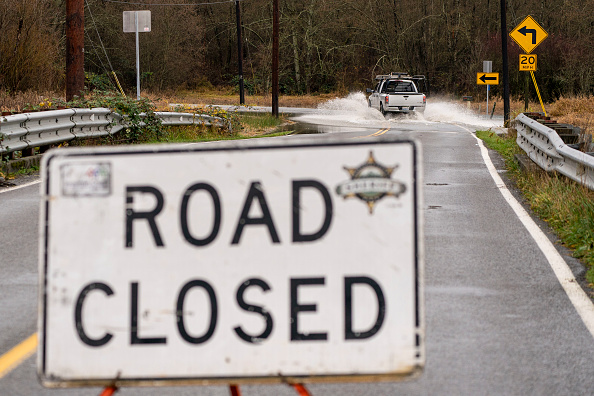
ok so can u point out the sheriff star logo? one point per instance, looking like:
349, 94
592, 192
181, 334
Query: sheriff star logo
371, 182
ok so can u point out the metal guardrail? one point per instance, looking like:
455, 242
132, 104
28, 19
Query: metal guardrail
171, 118
546, 148
29, 130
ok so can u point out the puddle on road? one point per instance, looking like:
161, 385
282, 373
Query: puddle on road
304, 128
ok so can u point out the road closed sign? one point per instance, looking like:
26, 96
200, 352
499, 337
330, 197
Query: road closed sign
288, 259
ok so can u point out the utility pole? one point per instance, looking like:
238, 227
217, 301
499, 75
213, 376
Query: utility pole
75, 42
275, 44
506, 109
239, 53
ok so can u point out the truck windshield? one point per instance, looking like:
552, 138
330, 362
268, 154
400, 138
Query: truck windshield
399, 86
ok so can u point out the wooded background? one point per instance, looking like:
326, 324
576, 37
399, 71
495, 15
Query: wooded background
325, 45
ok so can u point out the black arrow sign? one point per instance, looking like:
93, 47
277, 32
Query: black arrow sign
525, 31
484, 78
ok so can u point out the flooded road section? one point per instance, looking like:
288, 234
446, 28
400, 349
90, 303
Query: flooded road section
352, 113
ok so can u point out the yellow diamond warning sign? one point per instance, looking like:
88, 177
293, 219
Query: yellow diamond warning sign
528, 34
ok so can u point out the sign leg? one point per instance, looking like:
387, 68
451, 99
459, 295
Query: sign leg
110, 390
137, 58
526, 93
235, 391
538, 93
300, 388
487, 113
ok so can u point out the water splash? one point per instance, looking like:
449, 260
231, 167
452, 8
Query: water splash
457, 113
354, 110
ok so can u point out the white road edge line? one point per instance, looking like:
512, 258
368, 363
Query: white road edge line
578, 297
21, 186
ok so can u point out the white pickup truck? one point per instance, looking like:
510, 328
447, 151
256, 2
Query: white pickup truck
397, 93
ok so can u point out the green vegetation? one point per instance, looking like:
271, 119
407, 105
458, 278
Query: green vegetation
250, 125
140, 127
16, 168
568, 207
28, 171
260, 121
506, 146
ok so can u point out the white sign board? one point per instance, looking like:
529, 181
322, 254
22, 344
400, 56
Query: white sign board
231, 262
487, 66
144, 21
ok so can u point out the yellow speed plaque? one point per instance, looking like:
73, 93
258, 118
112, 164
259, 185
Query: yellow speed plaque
527, 62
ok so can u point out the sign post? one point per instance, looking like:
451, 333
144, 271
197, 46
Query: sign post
137, 21
227, 264
488, 78
487, 68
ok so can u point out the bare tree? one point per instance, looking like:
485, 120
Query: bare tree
325, 45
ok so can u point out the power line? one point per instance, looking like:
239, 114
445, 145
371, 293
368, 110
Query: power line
166, 4
98, 35
96, 54
104, 51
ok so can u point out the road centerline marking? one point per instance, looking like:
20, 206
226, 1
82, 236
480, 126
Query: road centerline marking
381, 132
13, 358
377, 133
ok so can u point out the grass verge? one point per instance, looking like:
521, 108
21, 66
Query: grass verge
246, 126
567, 206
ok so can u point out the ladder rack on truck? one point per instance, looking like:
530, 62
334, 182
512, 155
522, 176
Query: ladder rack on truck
419, 80
399, 92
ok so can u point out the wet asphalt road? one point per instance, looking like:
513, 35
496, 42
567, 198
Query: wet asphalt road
497, 320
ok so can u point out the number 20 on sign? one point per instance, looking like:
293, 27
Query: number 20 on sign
527, 62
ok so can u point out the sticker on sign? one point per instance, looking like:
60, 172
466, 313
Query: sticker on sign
257, 261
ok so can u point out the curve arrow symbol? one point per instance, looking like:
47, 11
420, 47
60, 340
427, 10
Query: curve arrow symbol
525, 31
